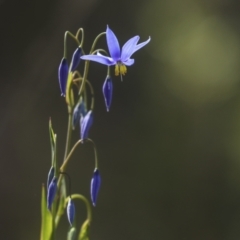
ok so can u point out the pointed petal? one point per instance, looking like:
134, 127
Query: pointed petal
128, 48
100, 59
113, 45
129, 62
137, 47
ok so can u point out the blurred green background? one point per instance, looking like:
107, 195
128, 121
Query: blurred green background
169, 149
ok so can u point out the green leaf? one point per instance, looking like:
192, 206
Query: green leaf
52, 141
83, 235
46, 226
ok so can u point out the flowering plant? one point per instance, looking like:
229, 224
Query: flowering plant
76, 88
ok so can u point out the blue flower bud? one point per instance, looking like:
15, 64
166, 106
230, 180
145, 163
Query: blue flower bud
76, 58
86, 123
63, 75
79, 111
95, 186
107, 91
52, 189
50, 176
70, 211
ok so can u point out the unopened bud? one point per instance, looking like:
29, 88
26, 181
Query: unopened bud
76, 58
52, 189
95, 186
107, 92
63, 75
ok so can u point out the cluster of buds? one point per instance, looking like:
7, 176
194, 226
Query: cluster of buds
77, 90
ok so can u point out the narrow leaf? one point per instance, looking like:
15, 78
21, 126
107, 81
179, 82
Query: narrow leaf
46, 225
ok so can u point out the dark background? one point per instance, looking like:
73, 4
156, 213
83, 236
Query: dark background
169, 149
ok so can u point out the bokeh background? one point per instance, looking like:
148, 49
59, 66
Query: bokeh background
169, 149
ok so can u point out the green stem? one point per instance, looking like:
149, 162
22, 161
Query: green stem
80, 30
95, 151
86, 67
88, 206
69, 132
67, 33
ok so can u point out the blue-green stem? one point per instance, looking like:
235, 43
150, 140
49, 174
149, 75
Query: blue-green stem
86, 67
67, 33
66, 161
80, 30
88, 206
91, 91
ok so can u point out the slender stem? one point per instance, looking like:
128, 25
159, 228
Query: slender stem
63, 167
91, 90
67, 33
69, 182
100, 50
96, 40
69, 134
108, 71
95, 151
80, 30
88, 206
86, 67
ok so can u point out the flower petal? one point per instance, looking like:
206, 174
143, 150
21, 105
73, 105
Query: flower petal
137, 47
113, 45
128, 48
100, 59
129, 62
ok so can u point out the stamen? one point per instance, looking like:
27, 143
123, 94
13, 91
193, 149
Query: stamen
117, 70
123, 69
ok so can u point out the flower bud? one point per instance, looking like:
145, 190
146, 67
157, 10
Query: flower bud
84, 232
107, 92
50, 176
72, 234
86, 123
95, 186
52, 189
63, 75
70, 211
79, 111
76, 58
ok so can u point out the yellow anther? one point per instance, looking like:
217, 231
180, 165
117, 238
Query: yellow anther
117, 70
120, 68
123, 69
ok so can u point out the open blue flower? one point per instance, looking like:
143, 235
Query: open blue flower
119, 58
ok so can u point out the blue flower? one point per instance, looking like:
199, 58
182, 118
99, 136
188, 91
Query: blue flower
119, 58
